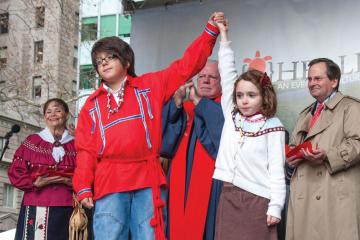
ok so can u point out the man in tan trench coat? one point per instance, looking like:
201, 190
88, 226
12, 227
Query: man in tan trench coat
325, 184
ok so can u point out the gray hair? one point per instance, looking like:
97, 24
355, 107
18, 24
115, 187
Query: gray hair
194, 79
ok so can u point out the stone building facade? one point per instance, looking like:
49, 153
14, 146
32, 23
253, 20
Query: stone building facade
38, 61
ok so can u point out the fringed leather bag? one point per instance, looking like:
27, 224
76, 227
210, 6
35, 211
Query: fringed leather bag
78, 222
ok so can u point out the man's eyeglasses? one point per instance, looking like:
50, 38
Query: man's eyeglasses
203, 76
316, 78
107, 59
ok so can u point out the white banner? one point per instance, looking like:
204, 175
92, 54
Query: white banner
281, 34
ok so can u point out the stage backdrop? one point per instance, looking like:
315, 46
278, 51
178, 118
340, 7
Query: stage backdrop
283, 34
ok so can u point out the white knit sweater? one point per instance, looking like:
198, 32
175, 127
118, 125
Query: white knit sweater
254, 162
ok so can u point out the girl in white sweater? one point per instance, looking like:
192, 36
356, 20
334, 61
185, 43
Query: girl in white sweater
251, 155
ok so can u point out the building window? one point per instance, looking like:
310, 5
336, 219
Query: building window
124, 26
107, 26
75, 57
3, 57
36, 93
87, 77
39, 52
4, 23
89, 29
74, 88
40, 17
8, 196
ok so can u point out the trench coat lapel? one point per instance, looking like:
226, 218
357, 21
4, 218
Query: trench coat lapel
304, 127
323, 122
326, 118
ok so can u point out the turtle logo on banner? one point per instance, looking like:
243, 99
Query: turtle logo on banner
257, 63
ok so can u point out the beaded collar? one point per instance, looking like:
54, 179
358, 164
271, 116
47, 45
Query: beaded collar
256, 123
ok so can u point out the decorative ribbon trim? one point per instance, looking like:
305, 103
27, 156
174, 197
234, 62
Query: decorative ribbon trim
121, 120
214, 34
102, 133
143, 118
93, 124
144, 94
84, 190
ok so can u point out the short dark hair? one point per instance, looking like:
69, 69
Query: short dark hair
332, 69
267, 92
57, 100
119, 48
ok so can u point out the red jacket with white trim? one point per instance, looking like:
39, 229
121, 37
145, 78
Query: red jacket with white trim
119, 152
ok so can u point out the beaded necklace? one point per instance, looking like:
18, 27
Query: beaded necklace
120, 95
239, 126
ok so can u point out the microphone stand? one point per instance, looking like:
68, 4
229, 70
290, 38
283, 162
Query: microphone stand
14, 129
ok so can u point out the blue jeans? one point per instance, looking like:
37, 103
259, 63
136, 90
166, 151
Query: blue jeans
118, 213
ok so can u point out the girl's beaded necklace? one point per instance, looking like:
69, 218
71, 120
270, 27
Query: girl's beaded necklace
120, 95
239, 126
